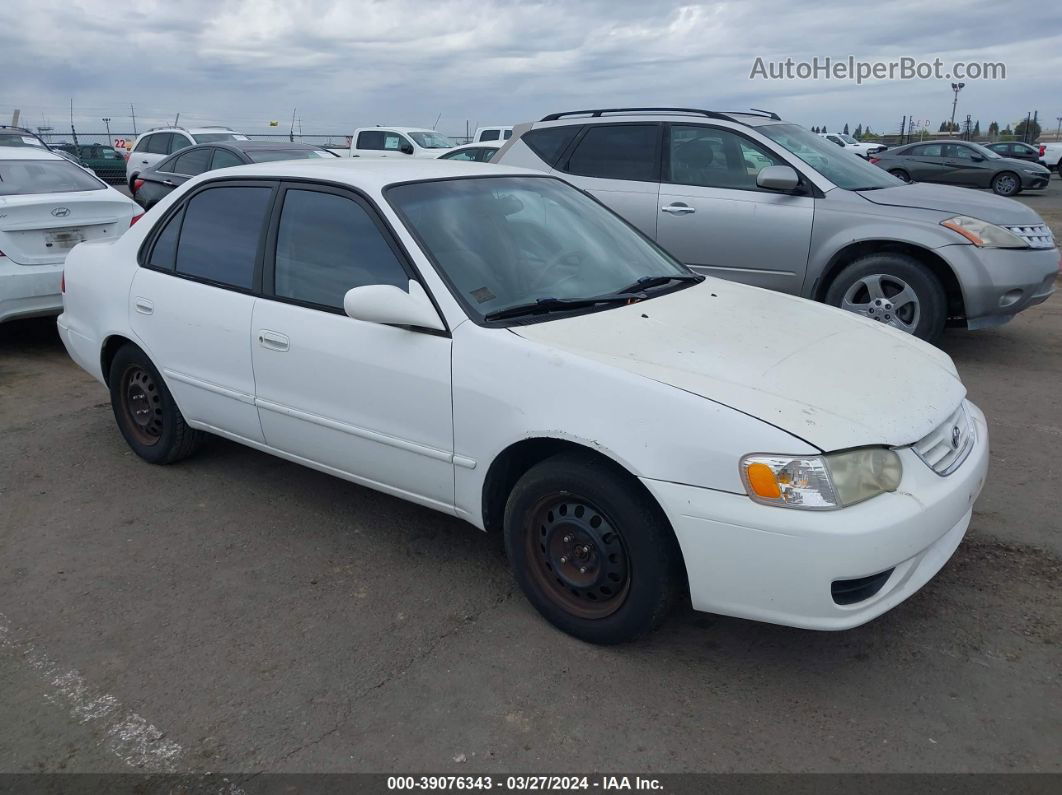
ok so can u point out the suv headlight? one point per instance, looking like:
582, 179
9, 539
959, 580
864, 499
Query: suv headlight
983, 234
835, 480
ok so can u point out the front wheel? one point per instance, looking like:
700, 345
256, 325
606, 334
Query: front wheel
893, 289
899, 173
1006, 183
590, 549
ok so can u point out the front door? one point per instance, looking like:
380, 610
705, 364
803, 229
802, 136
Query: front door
714, 217
362, 400
192, 300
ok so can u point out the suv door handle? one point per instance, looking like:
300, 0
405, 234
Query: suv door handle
273, 341
678, 208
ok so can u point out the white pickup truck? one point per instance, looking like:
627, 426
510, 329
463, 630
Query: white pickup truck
1051, 154
864, 150
396, 142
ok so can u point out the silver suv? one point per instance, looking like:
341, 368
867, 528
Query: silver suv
750, 197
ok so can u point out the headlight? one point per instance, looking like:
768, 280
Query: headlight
983, 234
836, 480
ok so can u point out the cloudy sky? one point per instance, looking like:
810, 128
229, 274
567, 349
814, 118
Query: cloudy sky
348, 63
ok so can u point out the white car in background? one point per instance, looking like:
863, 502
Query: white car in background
499, 133
47, 206
850, 144
397, 142
476, 152
1051, 155
155, 144
495, 344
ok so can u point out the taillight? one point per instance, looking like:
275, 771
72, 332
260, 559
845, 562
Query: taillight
62, 283
1043, 149
874, 160
135, 218
137, 184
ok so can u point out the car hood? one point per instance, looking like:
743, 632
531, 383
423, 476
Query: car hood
955, 201
831, 378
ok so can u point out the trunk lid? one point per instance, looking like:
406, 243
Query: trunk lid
40, 228
826, 376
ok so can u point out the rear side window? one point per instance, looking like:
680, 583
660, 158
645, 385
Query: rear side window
223, 158
489, 135
159, 143
21, 177
627, 151
549, 143
164, 252
378, 139
191, 163
327, 244
220, 234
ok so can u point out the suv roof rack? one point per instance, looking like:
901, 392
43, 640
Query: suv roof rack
185, 129
711, 114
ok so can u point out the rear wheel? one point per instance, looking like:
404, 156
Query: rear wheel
899, 173
591, 551
1006, 183
145, 412
893, 289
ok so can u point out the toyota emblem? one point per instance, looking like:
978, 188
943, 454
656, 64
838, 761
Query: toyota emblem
61, 212
955, 434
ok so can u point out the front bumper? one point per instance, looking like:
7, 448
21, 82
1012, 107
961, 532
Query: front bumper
775, 564
998, 283
29, 290
1035, 181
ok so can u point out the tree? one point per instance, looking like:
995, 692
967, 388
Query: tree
824, 128
993, 129
846, 128
859, 132
1033, 130
1007, 131
977, 129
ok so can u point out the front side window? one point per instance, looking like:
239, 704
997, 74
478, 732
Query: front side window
713, 157
431, 140
489, 135
178, 142
621, 151
502, 242
22, 177
220, 234
837, 165
191, 163
328, 244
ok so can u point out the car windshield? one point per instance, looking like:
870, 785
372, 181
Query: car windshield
19, 139
267, 155
20, 177
503, 242
431, 140
843, 169
848, 139
206, 138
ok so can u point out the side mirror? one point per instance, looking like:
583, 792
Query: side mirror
778, 178
406, 148
392, 306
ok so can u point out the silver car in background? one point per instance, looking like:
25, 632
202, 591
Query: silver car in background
752, 198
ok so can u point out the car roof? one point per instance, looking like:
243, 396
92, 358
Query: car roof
370, 174
28, 153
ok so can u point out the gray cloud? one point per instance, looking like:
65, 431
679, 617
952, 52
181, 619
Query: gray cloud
345, 64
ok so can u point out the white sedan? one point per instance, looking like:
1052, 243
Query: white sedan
47, 206
481, 152
495, 344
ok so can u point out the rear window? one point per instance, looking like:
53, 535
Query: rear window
269, 155
550, 142
18, 139
21, 177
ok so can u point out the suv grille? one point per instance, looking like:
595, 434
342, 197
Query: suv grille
1038, 236
944, 449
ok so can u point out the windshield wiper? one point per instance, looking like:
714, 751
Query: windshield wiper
545, 305
648, 282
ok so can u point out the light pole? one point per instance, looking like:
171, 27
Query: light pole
107, 122
1058, 132
956, 87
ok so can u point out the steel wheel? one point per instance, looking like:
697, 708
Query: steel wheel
1006, 184
886, 299
577, 556
142, 405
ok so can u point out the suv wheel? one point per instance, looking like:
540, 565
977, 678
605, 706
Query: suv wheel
595, 556
894, 289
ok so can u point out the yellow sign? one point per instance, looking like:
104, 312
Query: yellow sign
274, 124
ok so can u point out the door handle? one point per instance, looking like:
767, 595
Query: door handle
144, 306
273, 341
167, 182
144, 162
678, 208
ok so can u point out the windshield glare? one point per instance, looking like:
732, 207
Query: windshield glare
507, 241
206, 138
431, 140
848, 139
844, 169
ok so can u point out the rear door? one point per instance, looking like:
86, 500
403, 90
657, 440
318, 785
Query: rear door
925, 163
716, 219
620, 165
192, 299
151, 149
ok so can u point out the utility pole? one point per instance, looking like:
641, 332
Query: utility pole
1058, 132
14, 117
291, 132
107, 123
133, 114
73, 132
956, 87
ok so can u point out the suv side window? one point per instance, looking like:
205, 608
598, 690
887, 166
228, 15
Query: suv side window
220, 235
328, 243
178, 141
143, 144
712, 157
159, 143
193, 162
549, 143
618, 151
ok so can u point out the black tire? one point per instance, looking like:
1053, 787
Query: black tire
574, 501
1006, 183
932, 302
900, 173
149, 420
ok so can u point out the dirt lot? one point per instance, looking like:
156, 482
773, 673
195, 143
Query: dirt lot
237, 613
